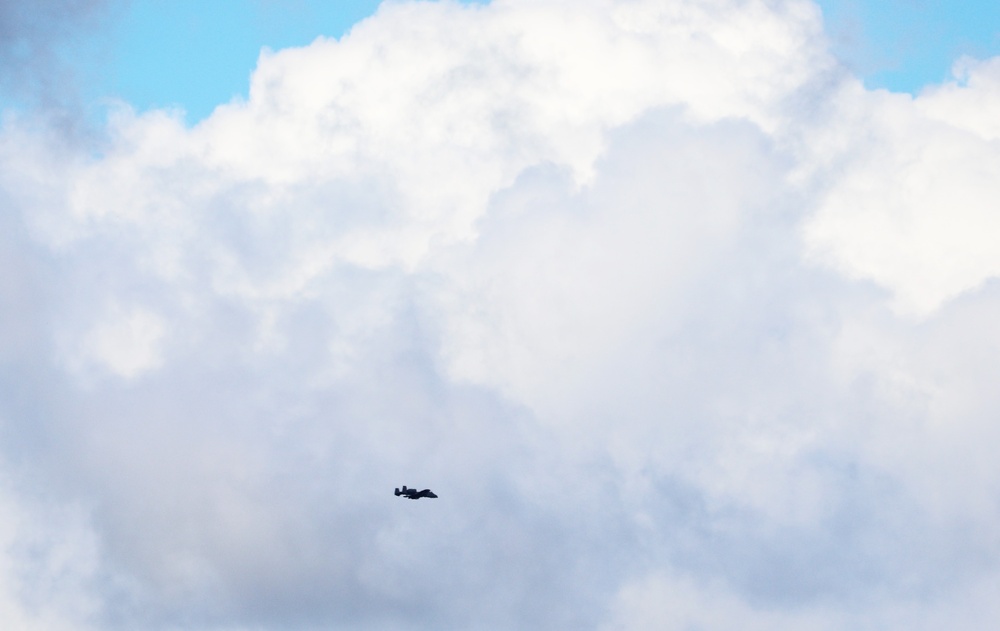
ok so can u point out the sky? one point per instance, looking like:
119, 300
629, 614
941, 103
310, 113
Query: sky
685, 310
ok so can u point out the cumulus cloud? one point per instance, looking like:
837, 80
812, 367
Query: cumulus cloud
684, 326
913, 157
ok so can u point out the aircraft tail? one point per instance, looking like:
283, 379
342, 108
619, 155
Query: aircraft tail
397, 491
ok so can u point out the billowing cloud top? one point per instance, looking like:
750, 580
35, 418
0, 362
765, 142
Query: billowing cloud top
686, 328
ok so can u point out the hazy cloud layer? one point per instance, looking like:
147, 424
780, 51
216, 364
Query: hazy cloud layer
685, 327
34, 38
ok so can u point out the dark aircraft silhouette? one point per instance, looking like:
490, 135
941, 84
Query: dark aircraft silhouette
414, 494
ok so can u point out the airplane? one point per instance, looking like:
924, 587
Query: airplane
414, 494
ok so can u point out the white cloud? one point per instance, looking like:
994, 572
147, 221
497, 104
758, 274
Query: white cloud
966, 101
910, 206
126, 342
562, 279
588, 269
677, 603
48, 565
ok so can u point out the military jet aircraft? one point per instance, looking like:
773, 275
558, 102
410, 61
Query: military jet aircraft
414, 494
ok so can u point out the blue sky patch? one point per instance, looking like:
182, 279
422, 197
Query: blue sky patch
903, 45
195, 55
